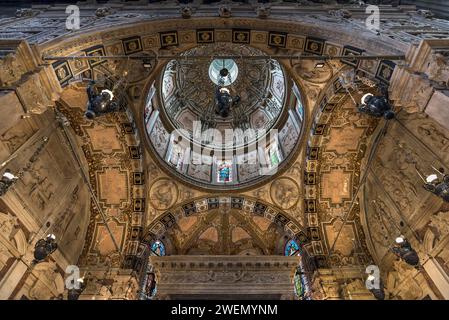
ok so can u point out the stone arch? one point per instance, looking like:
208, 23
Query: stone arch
246, 205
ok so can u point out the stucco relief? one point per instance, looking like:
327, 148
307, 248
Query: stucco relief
402, 283
288, 137
429, 132
247, 171
163, 194
34, 94
438, 69
307, 70
11, 70
285, 192
396, 166
440, 222
49, 283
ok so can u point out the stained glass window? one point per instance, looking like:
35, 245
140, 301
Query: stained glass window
299, 284
300, 281
158, 248
150, 288
291, 247
224, 171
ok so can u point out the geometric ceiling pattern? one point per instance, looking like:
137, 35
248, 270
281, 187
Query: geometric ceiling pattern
117, 179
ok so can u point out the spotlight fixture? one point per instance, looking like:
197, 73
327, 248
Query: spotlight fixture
379, 292
101, 103
319, 65
438, 185
74, 293
376, 106
44, 247
403, 249
224, 101
6, 181
147, 63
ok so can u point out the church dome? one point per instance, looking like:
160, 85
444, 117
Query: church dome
207, 148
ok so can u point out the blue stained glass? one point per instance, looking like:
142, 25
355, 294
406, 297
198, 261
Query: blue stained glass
300, 281
291, 247
225, 172
158, 248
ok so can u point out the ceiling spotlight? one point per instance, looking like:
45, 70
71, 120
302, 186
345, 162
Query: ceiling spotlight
320, 65
376, 106
364, 99
431, 178
438, 185
6, 181
399, 240
99, 103
403, 249
147, 63
77, 289
376, 287
109, 92
224, 101
44, 247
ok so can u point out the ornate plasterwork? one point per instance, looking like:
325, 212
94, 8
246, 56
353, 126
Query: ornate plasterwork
225, 225
186, 87
117, 178
336, 148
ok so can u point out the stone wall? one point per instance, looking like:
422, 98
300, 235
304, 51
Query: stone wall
50, 195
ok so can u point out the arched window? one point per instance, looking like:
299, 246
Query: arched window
223, 72
158, 248
301, 280
291, 248
300, 288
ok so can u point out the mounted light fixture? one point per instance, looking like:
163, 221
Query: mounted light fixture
438, 184
376, 106
379, 292
7, 181
101, 103
320, 65
147, 63
44, 247
224, 101
74, 293
403, 249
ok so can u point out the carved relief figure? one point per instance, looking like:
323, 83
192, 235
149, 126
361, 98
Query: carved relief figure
163, 194
435, 137
49, 283
284, 192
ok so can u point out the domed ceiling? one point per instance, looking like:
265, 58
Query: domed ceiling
188, 89
211, 150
